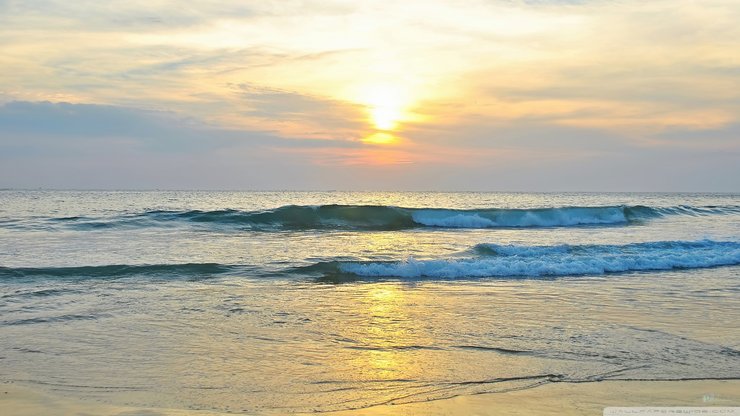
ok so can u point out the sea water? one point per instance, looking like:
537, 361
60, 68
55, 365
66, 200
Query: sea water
316, 301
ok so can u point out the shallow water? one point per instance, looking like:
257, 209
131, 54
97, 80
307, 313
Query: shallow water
227, 301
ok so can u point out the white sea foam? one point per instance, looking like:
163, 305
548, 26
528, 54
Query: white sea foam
512, 261
548, 217
523, 251
452, 219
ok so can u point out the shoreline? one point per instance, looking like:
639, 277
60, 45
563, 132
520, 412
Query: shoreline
550, 399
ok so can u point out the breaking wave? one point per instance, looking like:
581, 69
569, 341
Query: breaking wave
495, 260
486, 260
378, 217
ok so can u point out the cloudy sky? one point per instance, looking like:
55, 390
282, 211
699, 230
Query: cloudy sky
539, 95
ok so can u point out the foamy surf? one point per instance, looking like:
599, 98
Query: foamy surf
543, 217
561, 260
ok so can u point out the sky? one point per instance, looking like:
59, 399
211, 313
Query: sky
446, 95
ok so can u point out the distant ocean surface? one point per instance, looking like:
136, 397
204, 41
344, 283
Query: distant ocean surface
320, 301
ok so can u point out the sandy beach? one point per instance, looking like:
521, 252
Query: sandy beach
552, 399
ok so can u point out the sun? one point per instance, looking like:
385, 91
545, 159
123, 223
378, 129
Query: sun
385, 106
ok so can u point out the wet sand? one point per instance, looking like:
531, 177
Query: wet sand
551, 399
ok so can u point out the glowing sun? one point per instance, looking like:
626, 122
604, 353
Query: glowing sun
385, 106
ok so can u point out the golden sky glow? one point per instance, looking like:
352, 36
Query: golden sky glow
332, 80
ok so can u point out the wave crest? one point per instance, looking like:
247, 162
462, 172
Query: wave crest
561, 260
381, 217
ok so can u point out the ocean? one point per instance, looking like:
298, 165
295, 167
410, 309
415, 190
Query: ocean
282, 302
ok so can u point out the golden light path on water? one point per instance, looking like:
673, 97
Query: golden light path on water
287, 346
